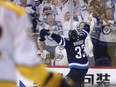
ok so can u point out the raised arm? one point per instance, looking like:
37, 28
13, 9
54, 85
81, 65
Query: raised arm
85, 31
56, 37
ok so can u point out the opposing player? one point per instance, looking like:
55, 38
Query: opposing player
74, 46
18, 51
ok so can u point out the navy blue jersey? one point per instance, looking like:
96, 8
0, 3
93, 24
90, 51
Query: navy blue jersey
75, 50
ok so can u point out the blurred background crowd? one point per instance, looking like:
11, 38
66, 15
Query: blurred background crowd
62, 15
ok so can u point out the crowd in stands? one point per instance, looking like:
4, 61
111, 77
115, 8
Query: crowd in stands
60, 16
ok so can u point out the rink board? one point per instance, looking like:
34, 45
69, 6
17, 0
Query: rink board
95, 75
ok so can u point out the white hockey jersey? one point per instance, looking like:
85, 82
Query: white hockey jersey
16, 44
61, 56
108, 33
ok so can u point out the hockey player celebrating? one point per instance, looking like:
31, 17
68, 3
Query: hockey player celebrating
78, 62
18, 51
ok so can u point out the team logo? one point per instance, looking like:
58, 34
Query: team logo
106, 30
59, 56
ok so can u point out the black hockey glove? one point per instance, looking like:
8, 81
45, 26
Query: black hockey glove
87, 27
43, 33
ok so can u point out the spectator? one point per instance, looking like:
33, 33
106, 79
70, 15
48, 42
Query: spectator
56, 10
46, 10
108, 17
65, 6
84, 11
91, 19
33, 11
67, 25
107, 36
76, 6
95, 35
54, 26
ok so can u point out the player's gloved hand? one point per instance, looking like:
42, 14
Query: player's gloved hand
43, 33
87, 27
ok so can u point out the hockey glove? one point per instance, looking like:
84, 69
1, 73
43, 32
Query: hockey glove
87, 27
43, 33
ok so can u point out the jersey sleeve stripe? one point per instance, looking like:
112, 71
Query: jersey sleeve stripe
62, 42
85, 31
83, 8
